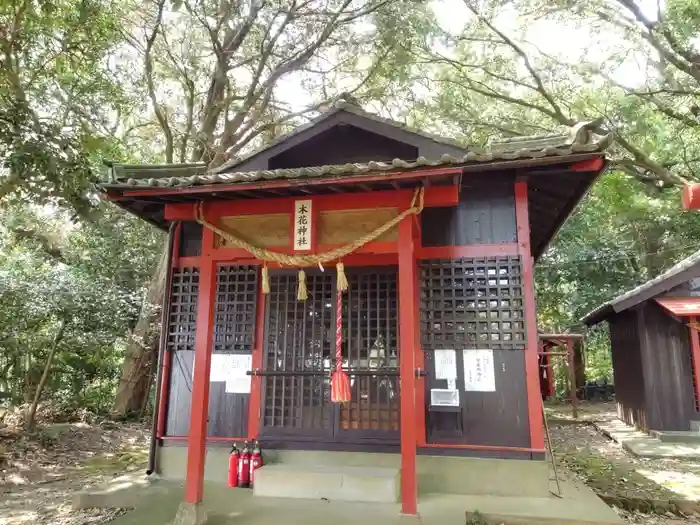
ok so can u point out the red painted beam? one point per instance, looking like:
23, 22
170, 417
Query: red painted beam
690, 196
695, 356
243, 257
486, 447
372, 248
408, 326
209, 438
273, 184
595, 164
256, 381
435, 196
532, 377
472, 250
196, 449
186, 262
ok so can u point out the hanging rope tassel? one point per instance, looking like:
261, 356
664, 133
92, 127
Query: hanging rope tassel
265, 280
340, 382
342, 281
302, 293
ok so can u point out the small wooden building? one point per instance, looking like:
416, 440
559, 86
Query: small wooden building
656, 349
438, 325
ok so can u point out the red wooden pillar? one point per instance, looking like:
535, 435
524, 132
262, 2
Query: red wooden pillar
550, 376
695, 357
532, 379
408, 329
256, 381
421, 434
196, 448
572, 377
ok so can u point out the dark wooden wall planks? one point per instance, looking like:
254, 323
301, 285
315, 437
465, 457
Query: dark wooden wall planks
627, 368
652, 368
190, 239
472, 303
497, 418
485, 214
668, 381
234, 331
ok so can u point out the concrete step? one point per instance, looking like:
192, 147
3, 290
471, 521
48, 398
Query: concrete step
676, 436
334, 483
694, 425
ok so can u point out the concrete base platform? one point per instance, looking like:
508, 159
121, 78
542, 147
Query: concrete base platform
158, 502
643, 445
676, 436
436, 474
337, 483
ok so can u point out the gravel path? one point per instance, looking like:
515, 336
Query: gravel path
607, 468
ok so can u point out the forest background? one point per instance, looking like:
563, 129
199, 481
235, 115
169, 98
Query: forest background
85, 82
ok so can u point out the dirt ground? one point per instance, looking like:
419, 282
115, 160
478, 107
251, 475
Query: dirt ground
609, 470
39, 474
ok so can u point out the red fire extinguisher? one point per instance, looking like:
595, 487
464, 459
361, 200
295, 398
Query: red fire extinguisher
233, 460
256, 461
244, 467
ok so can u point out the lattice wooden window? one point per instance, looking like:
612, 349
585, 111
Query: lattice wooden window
299, 338
472, 303
370, 331
234, 316
183, 309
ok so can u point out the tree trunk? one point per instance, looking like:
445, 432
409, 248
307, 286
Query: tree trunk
142, 348
31, 415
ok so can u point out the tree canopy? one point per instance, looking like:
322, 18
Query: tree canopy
200, 81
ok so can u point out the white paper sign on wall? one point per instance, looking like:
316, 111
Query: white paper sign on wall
445, 364
237, 380
479, 374
231, 369
303, 225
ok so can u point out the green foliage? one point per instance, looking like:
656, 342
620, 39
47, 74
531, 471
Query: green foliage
57, 97
79, 83
624, 233
90, 275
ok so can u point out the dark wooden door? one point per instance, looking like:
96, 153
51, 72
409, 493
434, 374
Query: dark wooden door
299, 357
370, 310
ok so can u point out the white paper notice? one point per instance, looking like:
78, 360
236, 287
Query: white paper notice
237, 381
231, 369
219, 365
479, 373
445, 364
302, 225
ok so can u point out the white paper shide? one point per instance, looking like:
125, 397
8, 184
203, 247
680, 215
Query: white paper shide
479, 375
302, 225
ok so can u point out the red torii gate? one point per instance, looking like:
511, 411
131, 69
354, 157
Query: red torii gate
691, 196
547, 342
